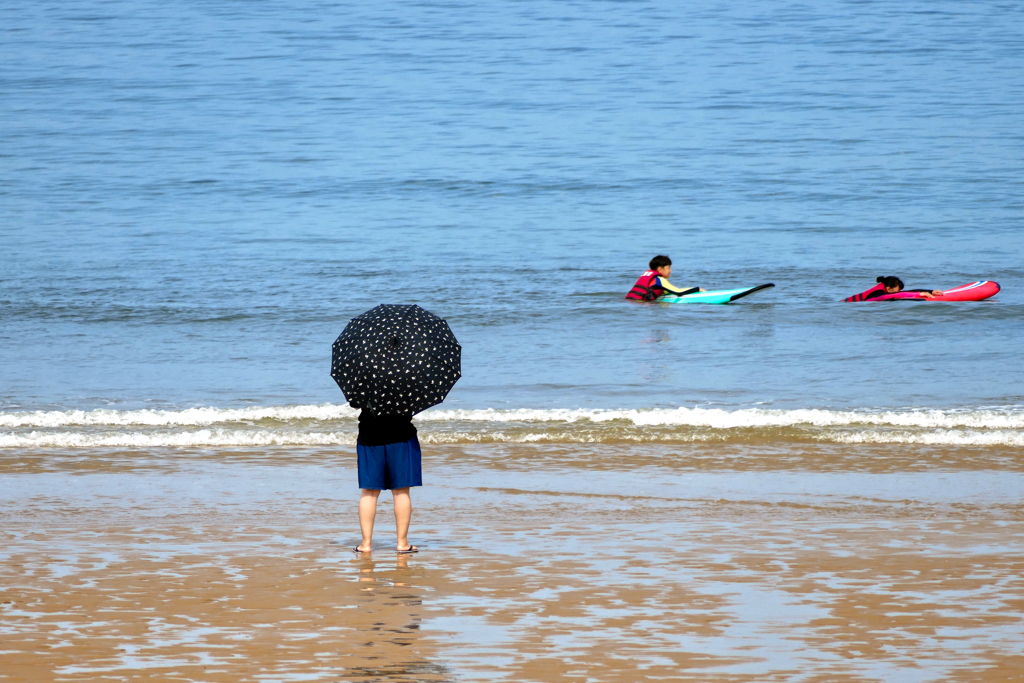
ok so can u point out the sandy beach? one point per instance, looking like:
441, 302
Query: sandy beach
540, 563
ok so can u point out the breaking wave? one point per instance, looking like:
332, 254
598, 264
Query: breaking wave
189, 417
329, 424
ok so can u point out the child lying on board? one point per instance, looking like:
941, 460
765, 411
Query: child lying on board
891, 287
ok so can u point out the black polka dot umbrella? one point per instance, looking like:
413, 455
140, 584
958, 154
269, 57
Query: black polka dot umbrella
396, 360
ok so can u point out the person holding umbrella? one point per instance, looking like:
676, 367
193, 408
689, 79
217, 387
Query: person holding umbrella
388, 454
392, 362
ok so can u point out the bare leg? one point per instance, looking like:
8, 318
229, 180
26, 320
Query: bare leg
403, 515
367, 511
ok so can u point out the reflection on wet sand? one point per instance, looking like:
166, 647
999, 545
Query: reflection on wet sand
205, 603
237, 567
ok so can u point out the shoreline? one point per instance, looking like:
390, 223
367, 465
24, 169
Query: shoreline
328, 426
625, 564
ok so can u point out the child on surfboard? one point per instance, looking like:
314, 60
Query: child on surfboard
654, 282
891, 287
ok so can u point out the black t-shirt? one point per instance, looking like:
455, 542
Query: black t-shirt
380, 430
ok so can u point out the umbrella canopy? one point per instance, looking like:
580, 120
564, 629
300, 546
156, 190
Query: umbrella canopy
396, 360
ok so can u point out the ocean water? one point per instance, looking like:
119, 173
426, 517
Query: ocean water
195, 198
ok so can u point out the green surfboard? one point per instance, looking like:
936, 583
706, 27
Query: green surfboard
722, 296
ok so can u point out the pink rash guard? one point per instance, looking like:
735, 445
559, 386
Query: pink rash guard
866, 295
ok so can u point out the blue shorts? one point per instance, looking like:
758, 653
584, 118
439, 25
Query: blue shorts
394, 466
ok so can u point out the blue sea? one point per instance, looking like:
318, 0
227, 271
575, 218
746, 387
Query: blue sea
196, 197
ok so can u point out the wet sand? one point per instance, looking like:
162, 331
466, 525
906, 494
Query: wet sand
540, 563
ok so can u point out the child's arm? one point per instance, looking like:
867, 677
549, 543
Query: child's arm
672, 289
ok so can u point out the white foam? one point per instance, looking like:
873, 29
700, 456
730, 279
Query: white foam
164, 418
717, 418
714, 418
329, 425
196, 439
935, 438
219, 438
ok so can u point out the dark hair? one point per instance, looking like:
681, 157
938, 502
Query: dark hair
890, 281
660, 261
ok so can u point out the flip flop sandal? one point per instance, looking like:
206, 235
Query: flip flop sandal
408, 551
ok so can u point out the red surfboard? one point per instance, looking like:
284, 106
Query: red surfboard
973, 291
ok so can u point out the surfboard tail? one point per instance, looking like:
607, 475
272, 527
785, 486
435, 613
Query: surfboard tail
751, 291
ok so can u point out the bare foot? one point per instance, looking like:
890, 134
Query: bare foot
360, 549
